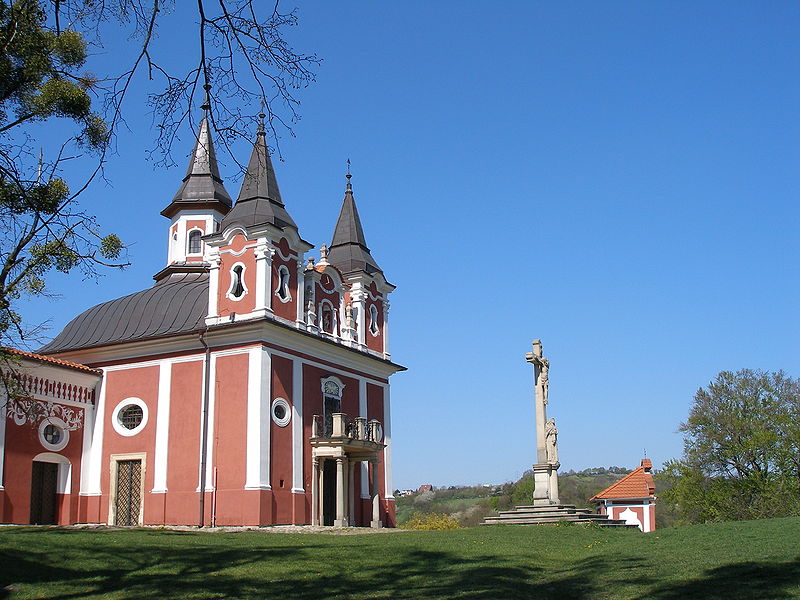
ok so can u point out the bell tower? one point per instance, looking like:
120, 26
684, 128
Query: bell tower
256, 256
199, 205
367, 297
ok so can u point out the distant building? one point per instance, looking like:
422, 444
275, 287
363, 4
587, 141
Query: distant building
631, 499
248, 386
425, 488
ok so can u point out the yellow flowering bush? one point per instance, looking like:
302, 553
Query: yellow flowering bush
431, 521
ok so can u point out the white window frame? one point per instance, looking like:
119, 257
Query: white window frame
288, 298
188, 242
55, 421
118, 427
229, 293
374, 328
287, 416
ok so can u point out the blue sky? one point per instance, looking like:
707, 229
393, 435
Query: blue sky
618, 179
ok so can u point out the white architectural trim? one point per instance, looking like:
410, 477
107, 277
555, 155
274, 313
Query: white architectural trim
95, 470
301, 294
287, 412
264, 252
64, 484
259, 389
4, 409
60, 424
202, 243
387, 439
162, 427
297, 426
229, 294
362, 412
646, 511
288, 298
205, 482
89, 415
115, 423
213, 282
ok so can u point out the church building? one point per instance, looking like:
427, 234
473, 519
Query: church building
248, 386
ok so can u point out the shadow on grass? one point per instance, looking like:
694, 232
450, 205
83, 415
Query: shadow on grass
763, 580
126, 566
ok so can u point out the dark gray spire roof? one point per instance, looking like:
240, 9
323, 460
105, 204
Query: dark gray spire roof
349, 251
202, 184
259, 200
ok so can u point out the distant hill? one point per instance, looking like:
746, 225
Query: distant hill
471, 504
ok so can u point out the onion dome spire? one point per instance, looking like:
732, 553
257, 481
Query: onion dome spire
259, 199
202, 185
348, 250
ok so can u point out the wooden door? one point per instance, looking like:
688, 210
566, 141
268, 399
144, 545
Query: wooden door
44, 479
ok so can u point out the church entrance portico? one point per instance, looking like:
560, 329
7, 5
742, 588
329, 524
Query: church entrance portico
335, 454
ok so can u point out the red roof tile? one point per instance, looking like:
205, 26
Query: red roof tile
637, 484
51, 360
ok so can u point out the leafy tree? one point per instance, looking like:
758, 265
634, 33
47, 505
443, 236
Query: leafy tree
241, 51
741, 456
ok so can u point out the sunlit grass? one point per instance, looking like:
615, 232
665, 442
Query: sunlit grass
756, 559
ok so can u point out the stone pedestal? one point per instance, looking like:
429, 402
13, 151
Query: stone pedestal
545, 479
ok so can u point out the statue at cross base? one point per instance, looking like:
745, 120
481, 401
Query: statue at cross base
545, 470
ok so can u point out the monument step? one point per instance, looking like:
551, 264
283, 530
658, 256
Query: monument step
553, 513
551, 520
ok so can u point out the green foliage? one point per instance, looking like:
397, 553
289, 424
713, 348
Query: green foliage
431, 521
741, 450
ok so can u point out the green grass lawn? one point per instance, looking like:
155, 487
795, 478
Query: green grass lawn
756, 559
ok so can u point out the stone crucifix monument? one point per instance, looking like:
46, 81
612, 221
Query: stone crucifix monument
545, 471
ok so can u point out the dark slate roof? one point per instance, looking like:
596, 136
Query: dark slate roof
177, 304
349, 251
202, 183
259, 200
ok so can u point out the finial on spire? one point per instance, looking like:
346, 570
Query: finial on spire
207, 100
261, 116
348, 175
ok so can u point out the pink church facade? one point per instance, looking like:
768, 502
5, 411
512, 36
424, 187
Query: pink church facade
248, 386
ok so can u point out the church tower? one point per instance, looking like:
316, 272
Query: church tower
197, 208
256, 256
367, 289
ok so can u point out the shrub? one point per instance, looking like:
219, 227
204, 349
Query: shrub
431, 521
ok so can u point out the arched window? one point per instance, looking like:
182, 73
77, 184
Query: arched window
195, 246
373, 320
331, 402
238, 288
284, 279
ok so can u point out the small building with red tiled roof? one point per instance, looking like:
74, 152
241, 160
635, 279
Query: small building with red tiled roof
631, 499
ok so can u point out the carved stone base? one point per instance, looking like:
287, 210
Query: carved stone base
545, 479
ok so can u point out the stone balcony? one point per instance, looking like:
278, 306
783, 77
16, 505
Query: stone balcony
338, 444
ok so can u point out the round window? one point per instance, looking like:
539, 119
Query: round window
129, 417
281, 413
53, 434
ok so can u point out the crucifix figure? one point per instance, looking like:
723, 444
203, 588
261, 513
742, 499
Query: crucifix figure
545, 475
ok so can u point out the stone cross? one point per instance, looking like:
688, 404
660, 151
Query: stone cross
546, 467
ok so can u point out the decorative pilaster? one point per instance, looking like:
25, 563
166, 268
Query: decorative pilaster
386, 353
301, 294
213, 286
264, 252
359, 299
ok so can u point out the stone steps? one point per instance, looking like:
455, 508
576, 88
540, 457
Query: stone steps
557, 513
